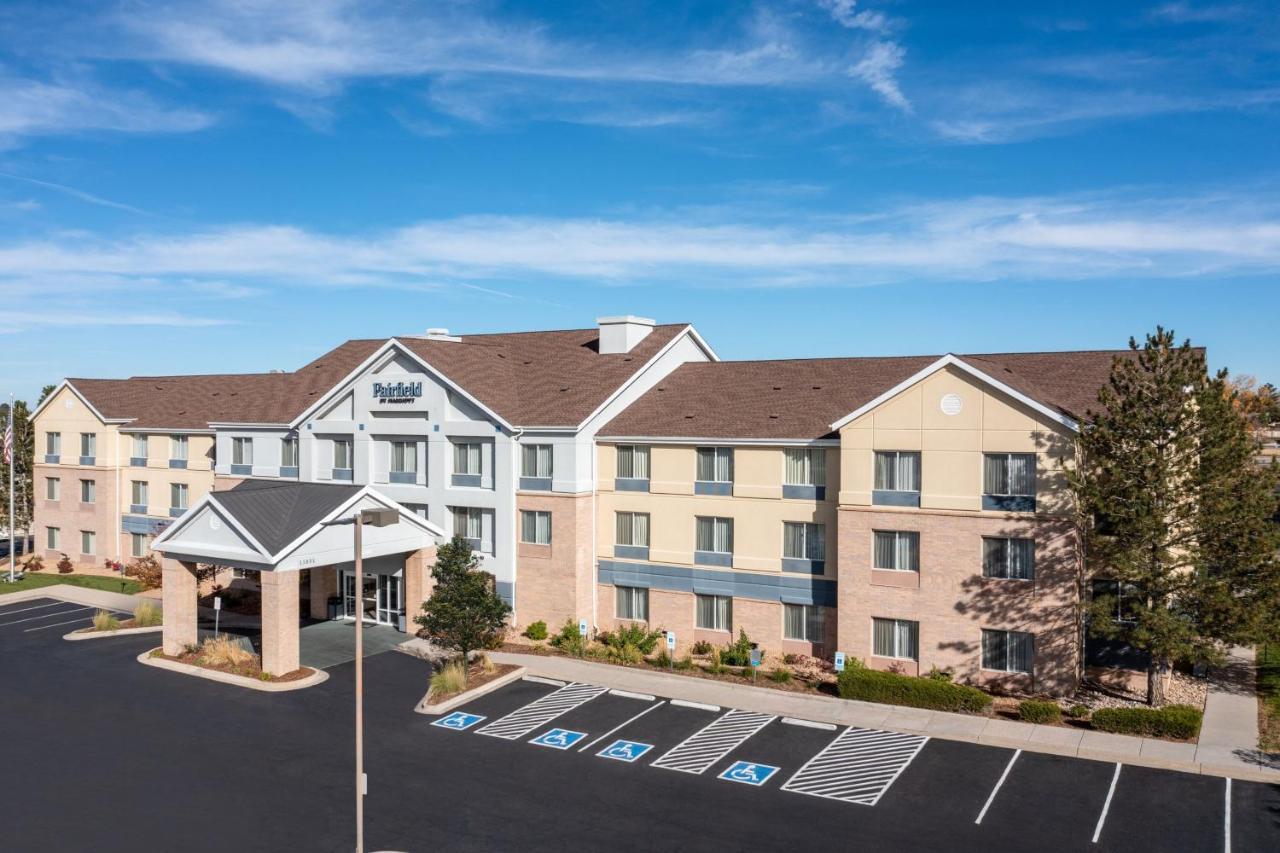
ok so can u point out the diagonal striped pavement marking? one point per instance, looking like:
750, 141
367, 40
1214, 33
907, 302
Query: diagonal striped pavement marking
709, 744
523, 720
857, 767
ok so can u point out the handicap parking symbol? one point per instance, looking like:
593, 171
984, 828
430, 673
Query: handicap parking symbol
558, 738
625, 750
748, 773
459, 721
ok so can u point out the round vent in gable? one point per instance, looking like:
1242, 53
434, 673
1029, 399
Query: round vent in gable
951, 404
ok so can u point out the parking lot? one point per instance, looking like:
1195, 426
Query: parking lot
104, 754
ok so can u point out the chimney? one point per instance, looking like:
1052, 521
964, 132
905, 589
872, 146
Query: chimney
442, 335
621, 334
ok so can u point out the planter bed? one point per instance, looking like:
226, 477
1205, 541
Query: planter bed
127, 628
479, 683
250, 676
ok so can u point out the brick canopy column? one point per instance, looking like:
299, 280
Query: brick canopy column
324, 584
417, 583
178, 598
279, 622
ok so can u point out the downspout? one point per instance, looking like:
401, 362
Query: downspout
119, 495
516, 433
593, 557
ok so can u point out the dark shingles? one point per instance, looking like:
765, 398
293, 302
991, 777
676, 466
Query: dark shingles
278, 513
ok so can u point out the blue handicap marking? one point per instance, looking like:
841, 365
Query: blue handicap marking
558, 738
459, 721
748, 773
625, 750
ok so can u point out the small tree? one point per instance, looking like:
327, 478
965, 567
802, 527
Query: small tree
464, 611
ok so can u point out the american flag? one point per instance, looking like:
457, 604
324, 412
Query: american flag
8, 442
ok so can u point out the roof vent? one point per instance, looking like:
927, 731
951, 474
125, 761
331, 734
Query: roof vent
621, 334
442, 335
275, 370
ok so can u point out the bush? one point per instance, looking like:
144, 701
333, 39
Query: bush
451, 678
1039, 711
105, 620
685, 662
748, 672
871, 685
536, 630
1078, 712
64, 565
634, 634
780, 675
626, 653
568, 640
224, 651
1172, 721
702, 647
737, 653
663, 659
936, 674
34, 563
147, 615
716, 667
146, 571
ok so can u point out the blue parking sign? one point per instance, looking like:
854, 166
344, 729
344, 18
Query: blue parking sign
748, 773
558, 738
459, 721
625, 750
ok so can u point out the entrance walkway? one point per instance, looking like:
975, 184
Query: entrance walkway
1230, 731
327, 644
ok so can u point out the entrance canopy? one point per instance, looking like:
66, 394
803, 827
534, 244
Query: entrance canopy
269, 526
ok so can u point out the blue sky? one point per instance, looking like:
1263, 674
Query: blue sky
237, 185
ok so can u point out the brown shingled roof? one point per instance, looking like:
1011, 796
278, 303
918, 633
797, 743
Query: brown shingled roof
801, 398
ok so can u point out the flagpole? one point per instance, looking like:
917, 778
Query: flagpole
12, 456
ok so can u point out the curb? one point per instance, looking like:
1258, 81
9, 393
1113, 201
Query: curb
317, 677
462, 698
119, 632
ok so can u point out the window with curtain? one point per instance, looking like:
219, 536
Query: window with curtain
633, 529
466, 458
52, 488
1125, 598
404, 457
714, 612
803, 541
898, 550
88, 444
87, 541
896, 638
715, 535
631, 602
53, 443
178, 447
715, 464
178, 493
138, 544
1012, 474
138, 493
1008, 651
535, 460
52, 537
468, 522
802, 622
289, 453
139, 447
535, 527
804, 467
88, 491
897, 471
342, 454
242, 451
633, 462
1008, 558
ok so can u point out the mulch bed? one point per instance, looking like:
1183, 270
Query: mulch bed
253, 670
476, 677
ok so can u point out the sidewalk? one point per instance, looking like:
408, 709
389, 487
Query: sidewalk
1230, 730
1210, 758
79, 595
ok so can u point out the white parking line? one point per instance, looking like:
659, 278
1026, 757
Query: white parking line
996, 789
701, 706
857, 767
709, 744
624, 725
46, 616
809, 724
1102, 818
25, 609
57, 624
521, 721
540, 680
627, 694
1226, 826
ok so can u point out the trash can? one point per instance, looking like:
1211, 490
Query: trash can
403, 623
335, 608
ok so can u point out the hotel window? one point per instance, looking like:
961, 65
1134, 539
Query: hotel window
714, 612
404, 461
897, 478
1009, 482
802, 622
242, 451
52, 488
715, 465
342, 458
52, 537
53, 443
178, 493
535, 527
895, 638
804, 467
535, 461
1123, 600
140, 448
803, 541
288, 453
633, 529
897, 550
468, 522
87, 541
88, 491
714, 535
88, 447
633, 462
138, 494
138, 544
177, 448
466, 458
1008, 558
1008, 651
631, 602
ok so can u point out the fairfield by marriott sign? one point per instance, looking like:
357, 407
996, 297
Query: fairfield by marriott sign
391, 393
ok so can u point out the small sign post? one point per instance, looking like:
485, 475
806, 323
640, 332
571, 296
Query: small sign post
671, 650
217, 610
756, 656
839, 661
582, 632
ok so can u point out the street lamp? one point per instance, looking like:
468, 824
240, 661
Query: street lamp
380, 517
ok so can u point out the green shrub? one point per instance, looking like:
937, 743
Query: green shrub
1078, 712
716, 667
780, 675
1040, 711
702, 647
536, 630
748, 672
634, 634
105, 620
451, 678
872, 685
147, 615
624, 654
1172, 721
936, 674
685, 662
663, 659
737, 653
569, 640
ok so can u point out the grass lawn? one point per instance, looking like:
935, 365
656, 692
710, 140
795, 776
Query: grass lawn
37, 581
1269, 696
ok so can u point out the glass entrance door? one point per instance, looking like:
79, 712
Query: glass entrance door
388, 599
378, 598
369, 598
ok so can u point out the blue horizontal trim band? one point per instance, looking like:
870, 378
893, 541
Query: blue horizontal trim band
712, 558
795, 564
409, 477
51, 458
631, 552
470, 480
288, 470
138, 461
630, 484
177, 463
341, 473
760, 587
1009, 503
703, 487
535, 484
811, 493
885, 497
242, 470
87, 460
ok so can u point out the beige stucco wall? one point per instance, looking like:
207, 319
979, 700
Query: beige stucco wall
159, 476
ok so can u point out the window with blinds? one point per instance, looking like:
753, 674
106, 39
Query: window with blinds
633, 462
1009, 558
803, 541
404, 457
289, 453
897, 550
715, 464
896, 638
632, 528
535, 460
715, 535
178, 448
241, 451
1008, 651
631, 602
342, 454
466, 458
178, 493
468, 522
802, 622
88, 444
139, 447
802, 467
535, 527
1009, 474
897, 471
138, 493
714, 612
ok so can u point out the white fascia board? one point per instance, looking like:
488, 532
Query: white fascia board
208, 501
951, 360
344, 508
221, 558
749, 442
394, 343
675, 339
167, 430
66, 383
214, 426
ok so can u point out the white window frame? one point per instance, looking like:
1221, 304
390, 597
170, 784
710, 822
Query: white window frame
720, 609
134, 539
721, 534
892, 471
537, 460
1008, 492
810, 532
52, 537
408, 461
473, 515
1004, 570
52, 488
1008, 646
898, 652
467, 453
241, 450
897, 553
633, 596
88, 542
88, 491
182, 492
140, 447
628, 470
289, 452
138, 497
813, 617
537, 522
179, 448
53, 443
89, 444
630, 518
811, 462
721, 458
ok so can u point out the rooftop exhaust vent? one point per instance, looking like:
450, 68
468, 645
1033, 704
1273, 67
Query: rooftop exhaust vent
621, 334
442, 335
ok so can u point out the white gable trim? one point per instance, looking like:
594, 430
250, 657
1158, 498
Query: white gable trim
375, 358
66, 383
343, 509
950, 360
208, 501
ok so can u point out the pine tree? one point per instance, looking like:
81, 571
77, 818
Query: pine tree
464, 611
1177, 514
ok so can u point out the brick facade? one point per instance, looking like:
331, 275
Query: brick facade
71, 516
553, 582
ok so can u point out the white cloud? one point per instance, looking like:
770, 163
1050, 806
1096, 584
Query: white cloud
13, 322
31, 107
877, 68
1182, 12
81, 195
846, 14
